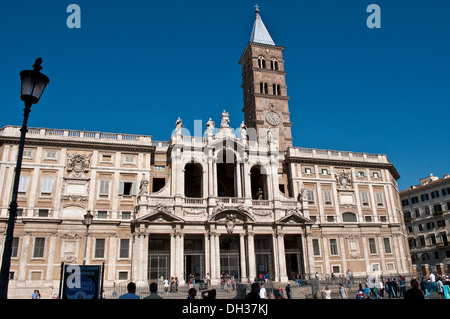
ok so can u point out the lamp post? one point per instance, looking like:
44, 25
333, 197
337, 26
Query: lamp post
33, 84
87, 221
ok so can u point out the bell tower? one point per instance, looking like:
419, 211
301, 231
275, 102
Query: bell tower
264, 85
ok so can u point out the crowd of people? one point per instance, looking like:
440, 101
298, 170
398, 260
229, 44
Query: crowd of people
392, 288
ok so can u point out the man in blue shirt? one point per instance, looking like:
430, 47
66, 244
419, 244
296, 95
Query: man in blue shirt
131, 287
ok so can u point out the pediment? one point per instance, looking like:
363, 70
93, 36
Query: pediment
161, 214
293, 217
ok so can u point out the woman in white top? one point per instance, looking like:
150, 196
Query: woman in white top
326, 292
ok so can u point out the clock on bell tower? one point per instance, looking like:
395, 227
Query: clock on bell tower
264, 85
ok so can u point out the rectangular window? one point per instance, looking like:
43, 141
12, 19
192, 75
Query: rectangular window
330, 219
414, 200
327, 197
107, 158
124, 248
39, 244
365, 198
129, 159
127, 188
379, 199
159, 168
15, 247
310, 196
427, 210
372, 246
27, 154
43, 213
23, 184
405, 202
104, 188
46, 185
437, 208
126, 215
51, 155
445, 191
368, 219
387, 246
102, 214
99, 248
333, 247
361, 174
424, 197
316, 247
435, 194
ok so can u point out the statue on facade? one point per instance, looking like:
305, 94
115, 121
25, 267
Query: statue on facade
225, 119
143, 187
210, 126
178, 126
243, 130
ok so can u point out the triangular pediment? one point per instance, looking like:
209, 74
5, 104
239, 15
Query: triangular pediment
161, 214
293, 217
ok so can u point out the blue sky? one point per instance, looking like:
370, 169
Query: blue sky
135, 66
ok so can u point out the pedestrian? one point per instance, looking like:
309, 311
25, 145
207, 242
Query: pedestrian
440, 288
254, 293
288, 291
280, 293
192, 293
360, 292
241, 292
381, 286
414, 293
402, 282
153, 291
131, 294
432, 282
262, 292
209, 294
343, 292
326, 292
166, 286
34, 294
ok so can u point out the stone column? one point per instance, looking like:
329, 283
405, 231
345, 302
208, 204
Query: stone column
207, 255
180, 255
173, 253
251, 256
213, 257
276, 265
282, 258
309, 258
217, 251
242, 255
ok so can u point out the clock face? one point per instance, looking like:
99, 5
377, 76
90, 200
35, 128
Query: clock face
273, 118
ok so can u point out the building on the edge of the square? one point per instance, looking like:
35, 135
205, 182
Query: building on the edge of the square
426, 208
239, 201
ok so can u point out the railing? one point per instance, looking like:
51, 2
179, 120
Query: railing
14, 131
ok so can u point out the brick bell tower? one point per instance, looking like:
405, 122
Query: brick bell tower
264, 85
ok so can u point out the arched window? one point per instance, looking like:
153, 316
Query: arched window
349, 218
193, 180
226, 174
274, 64
261, 62
258, 182
278, 89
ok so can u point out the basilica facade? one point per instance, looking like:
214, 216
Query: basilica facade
240, 200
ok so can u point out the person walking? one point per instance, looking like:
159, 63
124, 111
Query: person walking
440, 287
326, 292
262, 292
402, 282
131, 294
288, 291
343, 292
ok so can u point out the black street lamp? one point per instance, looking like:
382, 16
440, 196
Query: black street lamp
33, 84
87, 221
